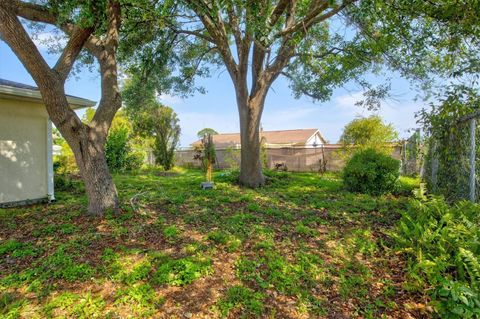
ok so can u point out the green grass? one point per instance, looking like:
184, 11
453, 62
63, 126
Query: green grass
249, 302
300, 247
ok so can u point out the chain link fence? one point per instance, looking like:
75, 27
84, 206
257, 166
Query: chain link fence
451, 167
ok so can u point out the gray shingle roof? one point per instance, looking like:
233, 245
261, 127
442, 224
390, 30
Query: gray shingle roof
29, 87
17, 85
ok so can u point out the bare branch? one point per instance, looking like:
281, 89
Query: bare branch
71, 52
196, 33
216, 29
33, 12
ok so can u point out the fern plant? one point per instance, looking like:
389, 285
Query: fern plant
472, 267
441, 243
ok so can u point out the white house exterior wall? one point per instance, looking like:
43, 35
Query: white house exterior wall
25, 158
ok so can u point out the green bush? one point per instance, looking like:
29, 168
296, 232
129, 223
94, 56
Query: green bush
442, 248
371, 172
134, 161
66, 179
118, 151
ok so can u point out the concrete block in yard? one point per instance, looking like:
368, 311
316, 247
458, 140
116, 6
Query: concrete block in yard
207, 185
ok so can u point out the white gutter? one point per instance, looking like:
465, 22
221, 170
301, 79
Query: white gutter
75, 102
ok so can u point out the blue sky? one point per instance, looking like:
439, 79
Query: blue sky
217, 108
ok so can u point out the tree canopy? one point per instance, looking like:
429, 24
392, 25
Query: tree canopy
368, 132
155, 121
430, 42
206, 131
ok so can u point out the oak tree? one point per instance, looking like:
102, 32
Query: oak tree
258, 41
94, 25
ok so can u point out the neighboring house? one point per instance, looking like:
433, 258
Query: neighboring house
26, 165
304, 138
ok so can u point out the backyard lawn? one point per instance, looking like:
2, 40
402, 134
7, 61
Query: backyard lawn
301, 247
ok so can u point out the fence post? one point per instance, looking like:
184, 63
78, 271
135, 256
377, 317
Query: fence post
472, 159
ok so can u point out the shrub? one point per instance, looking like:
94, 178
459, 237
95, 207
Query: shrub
442, 249
117, 148
67, 182
134, 161
118, 151
230, 176
63, 163
371, 172
368, 132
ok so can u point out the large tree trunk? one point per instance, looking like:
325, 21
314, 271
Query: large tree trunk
250, 112
88, 146
100, 188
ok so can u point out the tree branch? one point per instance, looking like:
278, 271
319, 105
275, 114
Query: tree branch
217, 31
234, 25
39, 13
258, 59
304, 92
196, 33
13, 33
287, 48
314, 17
33, 12
278, 11
111, 99
71, 52
114, 24
17, 38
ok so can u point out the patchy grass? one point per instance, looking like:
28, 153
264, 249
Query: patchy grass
301, 247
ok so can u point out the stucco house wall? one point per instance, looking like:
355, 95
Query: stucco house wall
24, 170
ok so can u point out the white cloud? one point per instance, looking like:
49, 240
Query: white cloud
347, 102
399, 113
170, 100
